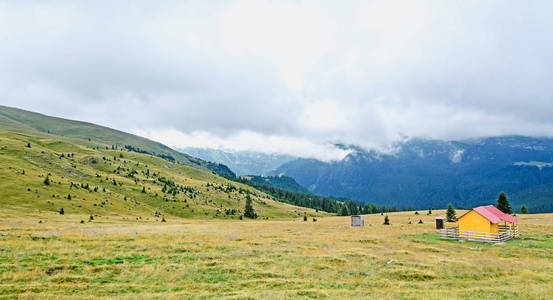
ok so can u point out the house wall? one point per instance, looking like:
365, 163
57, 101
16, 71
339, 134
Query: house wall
473, 221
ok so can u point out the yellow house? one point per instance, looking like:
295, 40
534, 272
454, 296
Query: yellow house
487, 219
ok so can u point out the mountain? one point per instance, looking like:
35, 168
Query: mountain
423, 173
26, 121
241, 162
77, 167
281, 182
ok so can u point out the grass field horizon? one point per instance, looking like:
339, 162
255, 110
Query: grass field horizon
183, 258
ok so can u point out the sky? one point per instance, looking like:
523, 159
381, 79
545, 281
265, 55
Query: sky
291, 77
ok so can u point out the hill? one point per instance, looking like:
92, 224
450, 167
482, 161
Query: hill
431, 173
281, 182
30, 122
44, 172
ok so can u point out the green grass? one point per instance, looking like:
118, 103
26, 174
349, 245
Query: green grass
268, 259
81, 181
88, 134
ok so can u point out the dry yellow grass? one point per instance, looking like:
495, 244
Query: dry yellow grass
118, 258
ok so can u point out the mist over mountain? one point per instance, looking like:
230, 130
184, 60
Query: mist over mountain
431, 173
241, 162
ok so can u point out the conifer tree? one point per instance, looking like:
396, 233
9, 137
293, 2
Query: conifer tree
62, 211
68, 196
450, 214
503, 204
429, 211
47, 180
386, 220
523, 209
344, 210
249, 212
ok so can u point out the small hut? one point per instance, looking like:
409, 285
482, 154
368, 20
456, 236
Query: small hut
483, 223
357, 221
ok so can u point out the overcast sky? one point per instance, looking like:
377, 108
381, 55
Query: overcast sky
284, 76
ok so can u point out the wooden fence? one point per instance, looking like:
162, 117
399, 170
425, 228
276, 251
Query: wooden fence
512, 227
456, 234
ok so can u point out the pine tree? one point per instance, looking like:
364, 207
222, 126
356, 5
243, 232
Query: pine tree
421, 222
143, 189
47, 180
523, 209
416, 212
450, 214
62, 212
28, 145
249, 212
304, 218
68, 196
503, 204
429, 211
344, 210
386, 220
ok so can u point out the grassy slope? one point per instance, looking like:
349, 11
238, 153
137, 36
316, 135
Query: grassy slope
30, 122
97, 167
118, 258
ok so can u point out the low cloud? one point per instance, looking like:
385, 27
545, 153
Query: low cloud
284, 77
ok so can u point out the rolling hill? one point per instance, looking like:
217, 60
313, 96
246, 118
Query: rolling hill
30, 122
46, 166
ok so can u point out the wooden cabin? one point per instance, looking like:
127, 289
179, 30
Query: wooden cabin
486, 219
485, 224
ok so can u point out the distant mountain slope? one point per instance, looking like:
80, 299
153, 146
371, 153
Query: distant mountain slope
26, 121
432, 173
241, 162
282, 182
40, 174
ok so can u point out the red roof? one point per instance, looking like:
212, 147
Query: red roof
493, 214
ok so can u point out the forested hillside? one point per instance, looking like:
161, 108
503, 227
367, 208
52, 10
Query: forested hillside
431, 173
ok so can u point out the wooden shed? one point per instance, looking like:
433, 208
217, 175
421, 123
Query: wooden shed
483, 223
486, 219
357, 221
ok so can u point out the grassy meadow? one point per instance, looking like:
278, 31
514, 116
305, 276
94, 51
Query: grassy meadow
266, 259
92, 179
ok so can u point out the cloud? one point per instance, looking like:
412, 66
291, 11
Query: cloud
289, 75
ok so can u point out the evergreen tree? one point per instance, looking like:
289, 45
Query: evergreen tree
523, 209
304, 218
416, 212
420, 222
344, 210
503, 204
429, 211
386, 220
62, 211
143, 189
47, 180
28, 145
249, 212
450, 214
68, 196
